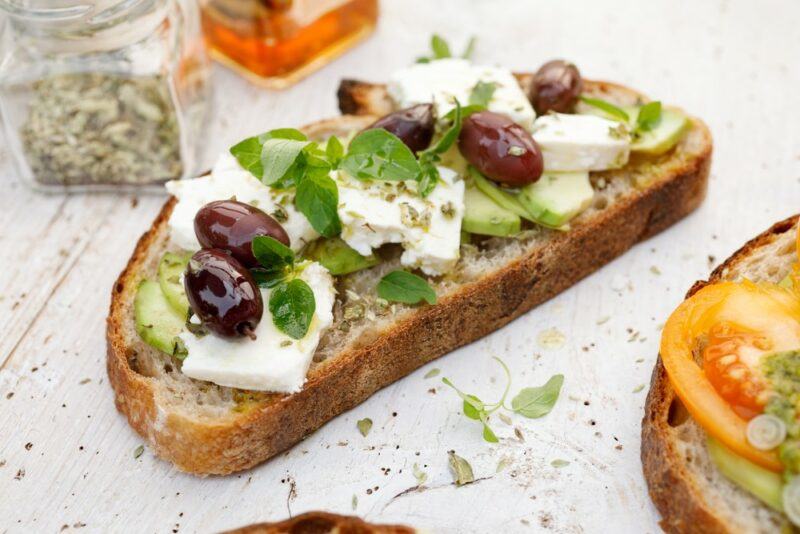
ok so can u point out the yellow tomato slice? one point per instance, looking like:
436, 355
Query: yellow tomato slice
767, 313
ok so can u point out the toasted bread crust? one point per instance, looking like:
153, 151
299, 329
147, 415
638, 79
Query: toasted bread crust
676, 495
341, 383
321, 523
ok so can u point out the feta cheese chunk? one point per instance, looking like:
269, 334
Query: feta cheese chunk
227, 180
581, 142
374, 213
442, 81
271, 362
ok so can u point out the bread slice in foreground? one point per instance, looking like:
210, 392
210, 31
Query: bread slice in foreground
322, 523
207, 429
687, 489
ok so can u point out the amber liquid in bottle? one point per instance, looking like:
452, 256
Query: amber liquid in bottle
277, 42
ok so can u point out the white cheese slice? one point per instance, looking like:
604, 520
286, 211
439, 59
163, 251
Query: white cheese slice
227, 180
581, 142
374, 213
271, 362
444, 80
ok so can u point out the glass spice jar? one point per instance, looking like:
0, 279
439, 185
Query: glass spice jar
103, 94
274, 43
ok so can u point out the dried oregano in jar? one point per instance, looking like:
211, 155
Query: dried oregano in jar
109, 95
92, 128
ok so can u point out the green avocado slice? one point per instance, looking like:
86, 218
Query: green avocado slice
170, 269
336, 256
485, 217
557, 197
157, 322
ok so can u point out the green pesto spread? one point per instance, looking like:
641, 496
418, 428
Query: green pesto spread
782, 370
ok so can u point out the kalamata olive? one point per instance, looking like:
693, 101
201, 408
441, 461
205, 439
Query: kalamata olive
223, 294
414, 126
232, 225
556, 87
500, 149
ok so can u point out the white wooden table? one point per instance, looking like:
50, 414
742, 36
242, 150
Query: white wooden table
67, 457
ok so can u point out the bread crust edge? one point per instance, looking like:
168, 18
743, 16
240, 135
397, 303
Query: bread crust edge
680, 502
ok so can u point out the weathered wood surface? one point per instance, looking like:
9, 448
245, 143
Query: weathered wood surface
67, 457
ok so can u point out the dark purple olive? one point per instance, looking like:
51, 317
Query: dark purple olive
500, 149
414, 126
232, 225
223, 294
556, 87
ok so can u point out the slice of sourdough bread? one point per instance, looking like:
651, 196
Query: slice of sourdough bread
687, 489
207, 429
322, 523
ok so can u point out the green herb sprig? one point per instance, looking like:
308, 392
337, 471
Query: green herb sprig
380, 155
291, 302
285, 158
648, 116
440, 49
530, 402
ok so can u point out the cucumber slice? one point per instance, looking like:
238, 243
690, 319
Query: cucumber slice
336, 256
664, 136
762, 483
170, 269
557, 197
484, 217
157, 322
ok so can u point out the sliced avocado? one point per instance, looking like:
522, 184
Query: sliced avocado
170, 269
336, 256
484, 217
157, 322
786, 282
557, 197
663, 136
764, 484
502, 198
661, 139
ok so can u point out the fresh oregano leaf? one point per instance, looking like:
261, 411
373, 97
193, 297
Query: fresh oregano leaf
538, 401
429, 175
608, 107
473, 407
402, 286
450, 135
440, 48
488, 434
462, 471
282, 161
482, 94
379, 155
334, 151
364, 426
649, 116
248, 154
273, 255
318, 199
249, 151
292, 306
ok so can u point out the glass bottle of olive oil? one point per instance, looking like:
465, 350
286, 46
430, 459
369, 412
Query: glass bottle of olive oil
277, 42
